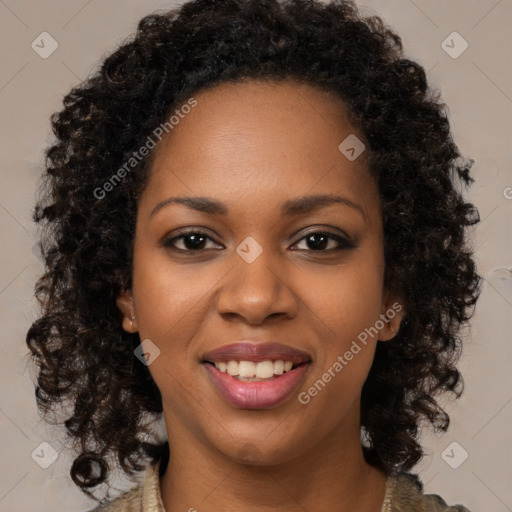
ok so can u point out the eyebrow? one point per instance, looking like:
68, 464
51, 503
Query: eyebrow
297, 206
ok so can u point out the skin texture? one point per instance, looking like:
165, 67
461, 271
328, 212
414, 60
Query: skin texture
252, 147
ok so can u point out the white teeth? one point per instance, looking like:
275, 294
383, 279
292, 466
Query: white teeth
264, 369
278, 367
249, 369
232, 367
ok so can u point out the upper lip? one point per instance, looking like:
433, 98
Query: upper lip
243, 351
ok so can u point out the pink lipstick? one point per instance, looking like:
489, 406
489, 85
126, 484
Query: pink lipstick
256, 376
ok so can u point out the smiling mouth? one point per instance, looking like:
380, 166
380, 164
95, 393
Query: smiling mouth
254, 385
261, 371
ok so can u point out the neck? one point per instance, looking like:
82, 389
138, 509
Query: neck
331, 476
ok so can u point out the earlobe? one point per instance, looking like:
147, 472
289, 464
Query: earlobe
393, 313
125, 304
388, 333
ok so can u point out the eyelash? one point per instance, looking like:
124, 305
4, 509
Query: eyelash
344, 244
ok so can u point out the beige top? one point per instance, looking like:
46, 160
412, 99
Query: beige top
401, 495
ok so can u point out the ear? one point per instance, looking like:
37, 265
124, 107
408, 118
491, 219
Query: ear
392, 314
126, 305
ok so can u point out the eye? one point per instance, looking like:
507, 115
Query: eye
192, 241
318, 241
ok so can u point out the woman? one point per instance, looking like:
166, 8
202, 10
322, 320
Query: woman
254, 230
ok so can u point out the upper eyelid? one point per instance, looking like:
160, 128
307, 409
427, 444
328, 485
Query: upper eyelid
189, 232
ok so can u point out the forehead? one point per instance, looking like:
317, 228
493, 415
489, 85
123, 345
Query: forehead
260, 138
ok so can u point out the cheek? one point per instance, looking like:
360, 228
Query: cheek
167, 297
352, 310
350, 299
347, 307
170, 304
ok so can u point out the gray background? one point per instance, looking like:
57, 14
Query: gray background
477, 87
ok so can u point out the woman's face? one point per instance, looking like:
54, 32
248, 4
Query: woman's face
261, 270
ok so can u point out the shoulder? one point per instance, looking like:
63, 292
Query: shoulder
130, 501
404, 493
144, 497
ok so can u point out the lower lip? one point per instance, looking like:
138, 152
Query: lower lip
256, 395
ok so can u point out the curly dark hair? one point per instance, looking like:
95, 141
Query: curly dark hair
85, 357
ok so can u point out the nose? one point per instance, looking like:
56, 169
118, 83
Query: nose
256, 291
